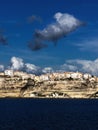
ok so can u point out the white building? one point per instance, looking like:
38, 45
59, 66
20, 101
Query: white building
9, 72
44, 78
76, 75
86, 76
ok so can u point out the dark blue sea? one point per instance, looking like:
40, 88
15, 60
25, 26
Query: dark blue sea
48, 114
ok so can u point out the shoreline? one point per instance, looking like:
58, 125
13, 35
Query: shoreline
47, 98
65, 85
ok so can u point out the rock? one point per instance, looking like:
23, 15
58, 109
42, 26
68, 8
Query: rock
54, 85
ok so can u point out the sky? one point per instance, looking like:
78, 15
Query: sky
47, 36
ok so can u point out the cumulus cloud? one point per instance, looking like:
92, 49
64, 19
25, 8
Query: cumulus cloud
64, 25
68, 67
31, 68
86, 66
17, 63
47, 70
36, 45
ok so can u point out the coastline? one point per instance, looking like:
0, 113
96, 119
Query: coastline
66, 85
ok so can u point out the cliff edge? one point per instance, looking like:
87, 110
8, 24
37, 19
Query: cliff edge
51, 85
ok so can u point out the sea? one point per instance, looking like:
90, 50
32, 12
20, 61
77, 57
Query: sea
48, 114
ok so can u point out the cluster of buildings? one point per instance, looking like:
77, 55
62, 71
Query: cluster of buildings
51, 76
55, 83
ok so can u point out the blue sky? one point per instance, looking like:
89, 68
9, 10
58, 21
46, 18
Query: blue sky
21, 18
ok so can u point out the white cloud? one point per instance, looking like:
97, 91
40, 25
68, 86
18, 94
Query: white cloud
89, 66
17, 63
63, 25
89, 45
47, 70
31, 68
86, 66
68, 21
68, 67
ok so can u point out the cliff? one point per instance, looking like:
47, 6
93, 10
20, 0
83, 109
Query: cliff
54, 85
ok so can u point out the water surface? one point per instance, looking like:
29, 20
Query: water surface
48, 114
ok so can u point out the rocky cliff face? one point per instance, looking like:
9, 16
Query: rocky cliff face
55, 85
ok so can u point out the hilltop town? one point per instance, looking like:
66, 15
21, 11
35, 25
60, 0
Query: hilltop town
50, 85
